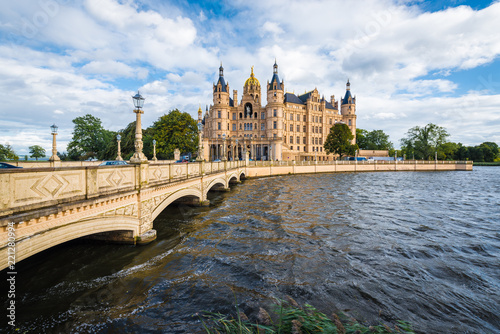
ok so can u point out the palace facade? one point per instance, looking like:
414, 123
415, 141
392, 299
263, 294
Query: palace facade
289, 127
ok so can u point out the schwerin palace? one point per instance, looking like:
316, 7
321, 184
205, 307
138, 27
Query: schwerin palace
288, 127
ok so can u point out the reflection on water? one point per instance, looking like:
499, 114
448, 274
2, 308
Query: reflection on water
423, 247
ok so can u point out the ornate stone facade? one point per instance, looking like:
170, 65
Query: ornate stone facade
289, 127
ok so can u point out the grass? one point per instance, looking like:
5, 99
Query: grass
496, 163
291, 318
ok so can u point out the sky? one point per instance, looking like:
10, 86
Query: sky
409, 63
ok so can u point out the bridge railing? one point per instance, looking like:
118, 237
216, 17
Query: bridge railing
28, 189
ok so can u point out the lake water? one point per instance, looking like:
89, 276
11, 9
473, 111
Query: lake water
418, 246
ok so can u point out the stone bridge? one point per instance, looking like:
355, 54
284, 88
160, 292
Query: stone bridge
44, 207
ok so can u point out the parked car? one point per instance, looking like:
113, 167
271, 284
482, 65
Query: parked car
6, 165
216, 160
113, 163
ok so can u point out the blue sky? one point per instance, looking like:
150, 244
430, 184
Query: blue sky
409, 62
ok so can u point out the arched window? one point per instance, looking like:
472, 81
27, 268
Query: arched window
241, 115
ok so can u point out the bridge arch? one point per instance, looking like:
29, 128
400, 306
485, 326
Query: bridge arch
189, 192
218, 181
43, 241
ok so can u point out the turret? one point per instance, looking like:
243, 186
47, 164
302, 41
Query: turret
221, 89
275, 88
348, 110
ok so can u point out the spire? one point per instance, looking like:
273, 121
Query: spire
199, 110
221, 80
348, 85
275, 81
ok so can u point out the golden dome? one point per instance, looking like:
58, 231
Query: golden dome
252, 80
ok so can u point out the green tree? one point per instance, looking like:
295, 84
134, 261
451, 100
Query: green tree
37, 151
361, 139
492, 154
89, 138
339, 140
173, 130
7, 153
447, 151
462, 153
424, 141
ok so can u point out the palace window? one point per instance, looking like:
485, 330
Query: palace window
234, 127
321, 119
304, 140
298, 128
330, 121
262, 126
350, 123
321, 141
240, 126
298, 117
234, 116
321, 149
228, 126
262, 115
291, 139
305, 129
275, 125
291, 117
305, 118
275, 112
291, 127
218, 126
298, 140
320, 129
218, 114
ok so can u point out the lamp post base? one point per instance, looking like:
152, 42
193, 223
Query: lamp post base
138, 158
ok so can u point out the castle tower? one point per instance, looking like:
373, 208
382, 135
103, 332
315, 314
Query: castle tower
220, 110
275, 113
348, 110
275, 88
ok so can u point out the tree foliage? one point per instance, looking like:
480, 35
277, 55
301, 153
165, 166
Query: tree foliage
373, 140
173, 130
422, 142
89, 138
37, 151
7, 153
339, 140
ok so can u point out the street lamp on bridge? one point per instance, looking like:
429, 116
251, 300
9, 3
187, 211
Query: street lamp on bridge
54, 156
200, 143
154, 151
119, 155
138, 157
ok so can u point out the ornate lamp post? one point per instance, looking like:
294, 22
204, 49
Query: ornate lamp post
138, 156
154, 151
200, 143
119, 155
54, 156
224, 147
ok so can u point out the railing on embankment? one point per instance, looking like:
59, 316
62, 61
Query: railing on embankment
267, 168
26, 190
